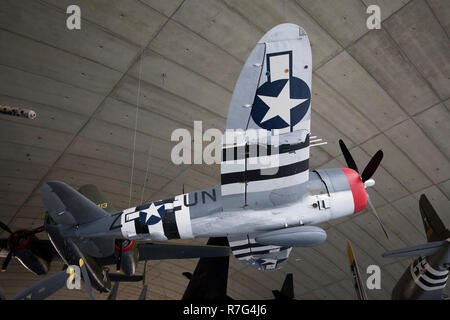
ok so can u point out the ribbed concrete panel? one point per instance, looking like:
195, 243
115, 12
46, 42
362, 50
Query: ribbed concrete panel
325, 130
22, 170
387, 7
271, 13
105, 169
346, 76
341, 290
27, 153
425, 43
122, 156
31, 18
336, 109
408, 174
219, 25
40, 137
197, 54
168, 75
28, 55
131, 20
167, 104
165, 7
382, 58
445, 188
123, 137
441, 10
407, 136
27, 86
345, 21
435, 124
149, 123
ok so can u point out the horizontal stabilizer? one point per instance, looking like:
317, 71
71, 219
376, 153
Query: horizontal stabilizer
158, 251
415, 251
67, 206
257, 255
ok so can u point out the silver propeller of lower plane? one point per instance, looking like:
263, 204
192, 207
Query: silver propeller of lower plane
267, 203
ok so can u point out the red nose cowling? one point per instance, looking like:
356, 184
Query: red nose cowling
357, 187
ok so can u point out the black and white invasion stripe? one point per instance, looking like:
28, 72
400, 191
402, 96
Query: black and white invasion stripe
426, 277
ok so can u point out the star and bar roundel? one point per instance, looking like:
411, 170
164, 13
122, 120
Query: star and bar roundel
153, 214
283, 100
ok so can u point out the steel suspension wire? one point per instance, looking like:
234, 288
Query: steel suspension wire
135, 126
146, 172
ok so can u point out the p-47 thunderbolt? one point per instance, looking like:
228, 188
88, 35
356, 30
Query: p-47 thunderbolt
268, 200
427, 275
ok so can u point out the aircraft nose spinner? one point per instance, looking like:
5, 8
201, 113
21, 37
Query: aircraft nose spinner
357, 188
360, 183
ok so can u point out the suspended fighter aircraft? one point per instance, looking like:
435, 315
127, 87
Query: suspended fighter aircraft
36, 255
268, 200
427, 275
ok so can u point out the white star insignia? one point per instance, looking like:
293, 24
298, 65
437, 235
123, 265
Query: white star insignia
281, 106
153, 211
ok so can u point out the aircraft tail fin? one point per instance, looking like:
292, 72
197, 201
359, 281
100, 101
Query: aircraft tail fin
287, 290
94, 194
67, 206
210, 277
434, 228
421, 250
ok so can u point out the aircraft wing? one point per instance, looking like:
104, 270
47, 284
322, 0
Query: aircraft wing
426, 249
163, 250
256, 255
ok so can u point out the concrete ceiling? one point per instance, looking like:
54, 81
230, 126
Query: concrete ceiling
385, 88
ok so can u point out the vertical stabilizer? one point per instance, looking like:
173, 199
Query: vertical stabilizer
434, 228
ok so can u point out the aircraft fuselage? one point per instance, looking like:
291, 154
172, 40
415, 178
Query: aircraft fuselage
329, 194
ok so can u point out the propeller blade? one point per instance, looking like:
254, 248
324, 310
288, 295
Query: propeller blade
34, 231
5, 227
143, 294
348, 157
37, 230
86, 279
113, 294
372, 166
376, 215
45, 287
7, 260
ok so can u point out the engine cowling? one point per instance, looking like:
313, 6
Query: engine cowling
130, 255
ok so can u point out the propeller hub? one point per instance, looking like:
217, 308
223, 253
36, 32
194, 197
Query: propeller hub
126, 245
17, 241
369, 183
357, 188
